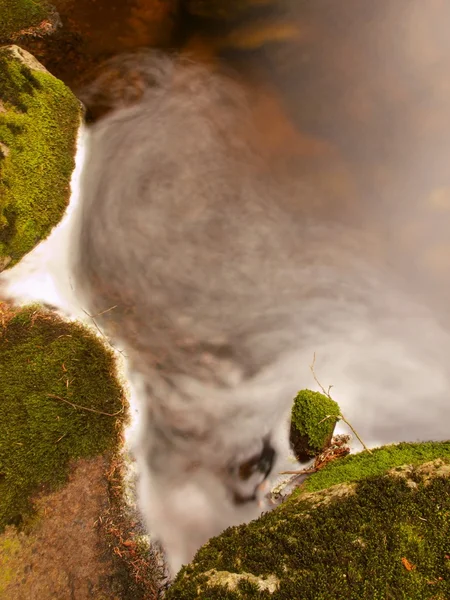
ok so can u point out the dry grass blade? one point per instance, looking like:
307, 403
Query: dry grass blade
78, 406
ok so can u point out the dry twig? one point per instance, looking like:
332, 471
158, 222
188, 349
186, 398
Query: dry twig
340, 416
108, 341
301, 472
73, 405
337, 449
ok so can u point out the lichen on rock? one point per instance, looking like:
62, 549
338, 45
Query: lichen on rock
379, 537
231, 581
60, 399
313, 420
39, 121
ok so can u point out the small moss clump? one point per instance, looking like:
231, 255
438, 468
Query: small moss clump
16, 15
39, 120
47, 366
385, 537
313, 420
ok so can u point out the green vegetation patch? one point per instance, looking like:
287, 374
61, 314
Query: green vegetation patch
313, 420
386, 537
363, 465
49, 369
16, 15
39, 120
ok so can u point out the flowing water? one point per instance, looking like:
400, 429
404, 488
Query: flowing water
358, 94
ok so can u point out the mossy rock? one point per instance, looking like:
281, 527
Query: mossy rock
383, 537
313, 420
39, 120
18, 16
60, 399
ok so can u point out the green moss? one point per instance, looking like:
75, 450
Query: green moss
42, 356
350, 545
311, 425
10, 547
16, 15
38, 136
363, 465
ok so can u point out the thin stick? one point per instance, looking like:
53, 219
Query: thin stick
337, 417
100, 331
73, 405
103, 312
304, 471
340, 416
96, 326
356, 433
311, 366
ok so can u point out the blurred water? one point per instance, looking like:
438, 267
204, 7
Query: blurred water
364, 92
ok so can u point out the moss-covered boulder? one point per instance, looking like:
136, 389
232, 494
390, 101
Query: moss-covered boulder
60, 399
313, 420
39, 120
381, 531
26, 17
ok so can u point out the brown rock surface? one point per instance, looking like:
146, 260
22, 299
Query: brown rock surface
65, 554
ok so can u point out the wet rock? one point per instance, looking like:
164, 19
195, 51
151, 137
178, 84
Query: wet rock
60, 400
359, 538
39, 120
69, 526
64, 552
